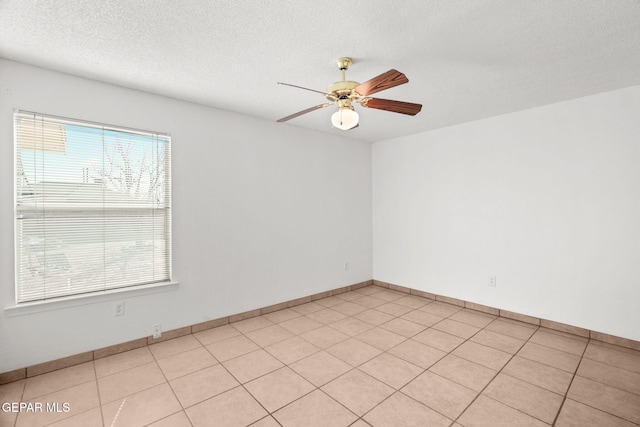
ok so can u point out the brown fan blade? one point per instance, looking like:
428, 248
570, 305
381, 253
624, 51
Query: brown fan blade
299, 113
312, 90
394, 106
384, 81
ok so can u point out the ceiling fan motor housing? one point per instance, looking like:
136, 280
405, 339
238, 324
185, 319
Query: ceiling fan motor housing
342, 88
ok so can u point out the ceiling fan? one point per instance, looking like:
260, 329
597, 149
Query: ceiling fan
345, 93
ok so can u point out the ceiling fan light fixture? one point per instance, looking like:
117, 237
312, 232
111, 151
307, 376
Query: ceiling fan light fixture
345, 118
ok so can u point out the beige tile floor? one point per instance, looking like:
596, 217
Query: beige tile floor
370, 357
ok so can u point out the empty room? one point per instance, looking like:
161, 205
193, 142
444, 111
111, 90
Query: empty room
330, 213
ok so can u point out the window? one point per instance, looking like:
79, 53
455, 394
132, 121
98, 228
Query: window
93, 207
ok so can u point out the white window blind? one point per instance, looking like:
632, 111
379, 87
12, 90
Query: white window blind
93, 207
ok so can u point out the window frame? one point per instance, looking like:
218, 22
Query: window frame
135, 207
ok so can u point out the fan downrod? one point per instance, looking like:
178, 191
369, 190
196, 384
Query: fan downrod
342, 89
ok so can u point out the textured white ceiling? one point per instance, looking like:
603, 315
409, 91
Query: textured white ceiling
465, 59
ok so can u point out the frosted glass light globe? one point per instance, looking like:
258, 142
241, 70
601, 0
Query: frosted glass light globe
344, 118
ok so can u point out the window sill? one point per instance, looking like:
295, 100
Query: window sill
85, 299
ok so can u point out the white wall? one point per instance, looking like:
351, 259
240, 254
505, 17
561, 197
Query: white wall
546, 199
262, 213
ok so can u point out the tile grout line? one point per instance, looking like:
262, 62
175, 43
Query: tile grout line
574, 374
582, 357
95, 373
168, 382
24, 387
352, 368
423, 369
319, 388
266, 416
361, 417
240, 384
564, 398
496, 375
609, 364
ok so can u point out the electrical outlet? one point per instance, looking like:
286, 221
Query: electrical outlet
346, 266
157, 331
492, 280
118, 309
